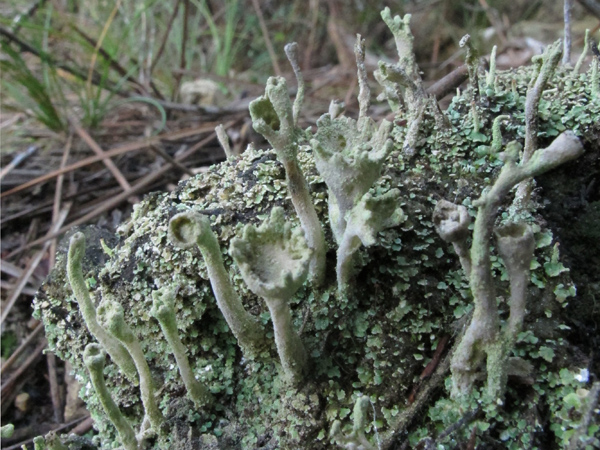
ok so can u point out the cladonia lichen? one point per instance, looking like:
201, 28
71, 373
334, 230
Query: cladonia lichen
386, 269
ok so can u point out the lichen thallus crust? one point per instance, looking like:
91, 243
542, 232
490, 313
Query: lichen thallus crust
284, 254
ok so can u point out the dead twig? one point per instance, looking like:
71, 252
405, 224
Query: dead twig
163, 43
98, 151
182, 61
265, 33
567, 40
17, 353
33, 263
81, 420
116, 65
7, 391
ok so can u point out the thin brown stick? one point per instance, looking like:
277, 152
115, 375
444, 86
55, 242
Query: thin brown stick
114, 152
32, 264
265, 33
163, 43
11, 360
58, 195
54, 393
314, 8
7, 386
29, 291
16, 22
98, 151
83, 427
117, 67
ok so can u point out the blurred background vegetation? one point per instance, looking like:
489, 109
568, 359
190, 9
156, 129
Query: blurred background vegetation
78, 77
61, 54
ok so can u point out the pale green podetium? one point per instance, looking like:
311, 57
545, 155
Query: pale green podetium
372, 214
163, 309
273, 117
515, 244
112, 318
93, 358
191, 228
349, 155
482, 333
356, 439
75, 274
273, 260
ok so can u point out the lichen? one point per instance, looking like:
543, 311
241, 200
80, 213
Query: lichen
377, 341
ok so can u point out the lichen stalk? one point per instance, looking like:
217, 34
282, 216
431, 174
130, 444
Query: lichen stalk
547, 65
224, 140
113, 347
550, 60
190, 228
586, 48
483, 331
497, 133
515, 243
272, 116
595, 78
368, 217
291, 51
163, 310
112, 317
93, 358
364, 93
452, 224
490, 80
472, 61
290, 348
356, 439
273, 260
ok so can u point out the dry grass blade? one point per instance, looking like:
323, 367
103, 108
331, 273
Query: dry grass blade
163, 43
111, 17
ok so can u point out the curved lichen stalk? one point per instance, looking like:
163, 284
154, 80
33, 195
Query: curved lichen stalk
163, 309
112, 317
190, 228
356, 439
113, 347
273, 117
483, 331
93, 358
